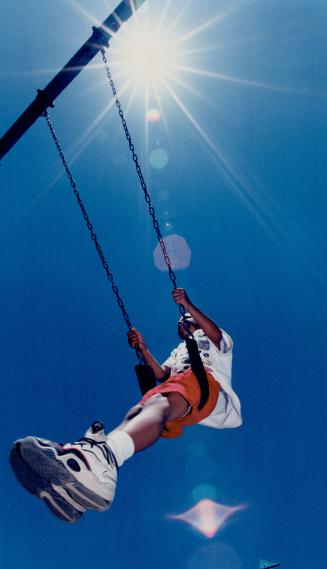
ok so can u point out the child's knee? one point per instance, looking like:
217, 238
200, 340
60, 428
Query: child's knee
159, 403
169, 405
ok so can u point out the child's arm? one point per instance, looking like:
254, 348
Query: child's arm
135, 338
206, 324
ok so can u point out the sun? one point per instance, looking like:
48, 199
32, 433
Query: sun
145, 56
147, 59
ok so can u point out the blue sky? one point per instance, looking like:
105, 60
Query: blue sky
241, 134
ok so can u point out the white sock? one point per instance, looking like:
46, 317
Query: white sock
122, 445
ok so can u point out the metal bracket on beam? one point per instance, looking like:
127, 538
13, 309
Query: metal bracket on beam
100, 36
43, 101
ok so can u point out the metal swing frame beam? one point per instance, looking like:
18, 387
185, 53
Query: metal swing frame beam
45, 97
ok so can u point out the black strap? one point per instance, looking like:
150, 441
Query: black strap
198, 370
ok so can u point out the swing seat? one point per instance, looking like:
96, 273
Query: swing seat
145, 378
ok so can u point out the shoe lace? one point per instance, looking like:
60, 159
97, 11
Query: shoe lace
105, 449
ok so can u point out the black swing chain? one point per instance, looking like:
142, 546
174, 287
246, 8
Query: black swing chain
91, 230
191, 343
171, 273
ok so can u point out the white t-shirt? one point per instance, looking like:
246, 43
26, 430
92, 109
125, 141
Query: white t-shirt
227, 413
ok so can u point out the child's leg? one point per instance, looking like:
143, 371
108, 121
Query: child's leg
77, 476
144, 423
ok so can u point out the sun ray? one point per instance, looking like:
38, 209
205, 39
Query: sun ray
146, 123
78, 148
190, 89
223, 77
87, 15
197, 50
171, 26
266, 215
52, 70
220, 16
193, 121
87, 136
162, 17
103, 83
102, 114
162, 110
223, 45
240, 185
240, 81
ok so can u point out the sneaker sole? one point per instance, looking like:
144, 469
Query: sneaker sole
44, 462
59, 504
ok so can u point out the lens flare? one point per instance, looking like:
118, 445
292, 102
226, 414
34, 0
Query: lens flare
204, 491
153, 115
158, 158
178, 252
207, 516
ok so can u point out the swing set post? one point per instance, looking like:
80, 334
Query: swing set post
100, 38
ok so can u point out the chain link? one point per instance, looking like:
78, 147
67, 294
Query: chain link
147, 197
90, 228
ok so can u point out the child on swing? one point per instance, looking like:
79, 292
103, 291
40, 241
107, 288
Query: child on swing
74, 477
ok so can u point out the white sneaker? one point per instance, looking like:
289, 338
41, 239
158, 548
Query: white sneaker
85, 470
54, 497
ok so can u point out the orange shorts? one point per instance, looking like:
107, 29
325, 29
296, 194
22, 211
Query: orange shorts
187, 385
